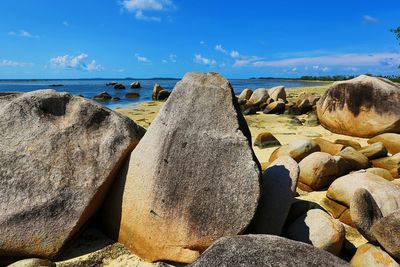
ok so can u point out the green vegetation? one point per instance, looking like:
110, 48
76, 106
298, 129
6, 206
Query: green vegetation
396, 32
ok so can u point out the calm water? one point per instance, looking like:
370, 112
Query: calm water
89, 88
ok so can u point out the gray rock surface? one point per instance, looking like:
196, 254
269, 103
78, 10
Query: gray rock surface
58, 155
279, 182
364, 213
387, 233
192, 179
264, 250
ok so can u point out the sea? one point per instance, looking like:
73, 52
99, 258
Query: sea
90, 87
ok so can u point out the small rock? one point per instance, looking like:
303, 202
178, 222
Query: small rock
264, 250
135, 85
163, 95
370, 255
111, 83
259, 96
311, 134
103, 96
156, 89
319, 229
387, 232
354, 159
318, 170
251, 110
266, 139
119, 86
346, 142
279, 182
277, 92
381, 172
295, 121
364, 213
33, 263
390, 140
115, 99
374, 151
245, 94
132, 95
392, 164
277, 107
328, 147
297, 149
312, 119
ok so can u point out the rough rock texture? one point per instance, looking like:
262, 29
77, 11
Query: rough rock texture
33, 263
266, 139
277, 92
318, 170
319, 229
364, 107
390, 140
103, 96
279, 183
381, 172
264, 250
374, 151
297, 149
354, 160
163, 95
387, 232
135, 85
347, 142
192, 179
392, 164
328, 147
275, 107
245, 94
364, 212
59, 153
259, 96
385, 193
369, 255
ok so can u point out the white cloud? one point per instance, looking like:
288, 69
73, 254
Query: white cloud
11, 63
219, 48
75, 62
65, 23
202, 42
138, 6
204, 61
172, 58
23, 33
370, 19
294, 69
142, 59
376, 59
235, 54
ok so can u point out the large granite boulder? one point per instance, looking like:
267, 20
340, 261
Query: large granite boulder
318, 228
354, 160
259, 96
59, 154
245, 95
279, 183
265, 250
385, 193
192, 179
374, 151
392, 164
156, 90
364, 106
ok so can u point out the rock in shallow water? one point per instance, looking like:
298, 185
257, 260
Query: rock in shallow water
264, 250
192, 179
59, 153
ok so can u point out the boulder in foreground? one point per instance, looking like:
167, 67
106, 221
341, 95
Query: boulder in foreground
265, 250
192, 179
59, 154
364, 106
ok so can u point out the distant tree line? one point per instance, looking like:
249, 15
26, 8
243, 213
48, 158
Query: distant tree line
345, 77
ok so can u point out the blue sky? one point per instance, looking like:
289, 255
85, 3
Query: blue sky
167, 38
